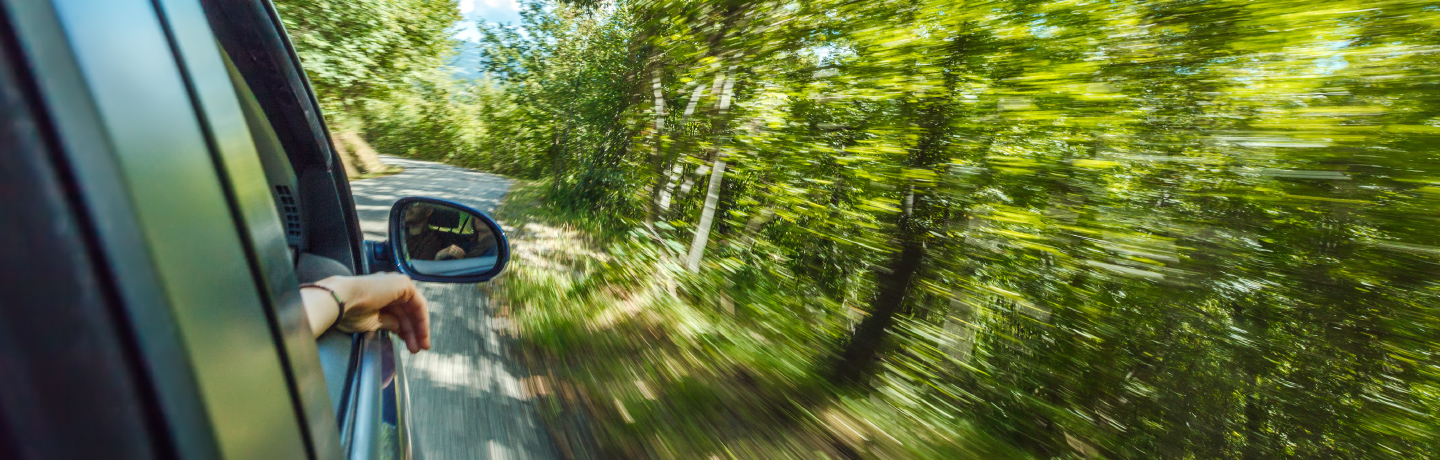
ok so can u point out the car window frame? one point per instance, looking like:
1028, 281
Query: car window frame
131, 128
253, 37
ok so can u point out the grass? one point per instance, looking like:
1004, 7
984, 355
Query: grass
636, 357
631, 368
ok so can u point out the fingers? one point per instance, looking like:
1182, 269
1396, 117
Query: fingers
389, 323
393, 303
412, 305
402, 327
407, 332
421, 309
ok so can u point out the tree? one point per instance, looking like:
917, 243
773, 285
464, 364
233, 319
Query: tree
1182, 228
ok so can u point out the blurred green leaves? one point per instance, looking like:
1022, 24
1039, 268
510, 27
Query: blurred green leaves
1132, 229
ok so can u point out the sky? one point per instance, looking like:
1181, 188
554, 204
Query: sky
466, 64
492, 11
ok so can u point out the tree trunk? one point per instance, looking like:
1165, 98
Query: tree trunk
707, 216
1253, 368
657, 162
663, 191
914, 225
717, 175
960, 331
564, 144
564, 139
858, 355
717, 88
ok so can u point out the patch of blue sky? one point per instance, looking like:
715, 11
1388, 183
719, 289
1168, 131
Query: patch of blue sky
1335, 62
489, 11
1039, 29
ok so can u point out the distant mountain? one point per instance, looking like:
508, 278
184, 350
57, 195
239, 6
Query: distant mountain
467, 61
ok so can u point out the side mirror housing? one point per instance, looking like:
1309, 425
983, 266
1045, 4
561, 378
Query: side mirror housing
443, 241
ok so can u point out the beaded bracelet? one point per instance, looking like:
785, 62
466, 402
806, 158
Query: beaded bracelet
338, 301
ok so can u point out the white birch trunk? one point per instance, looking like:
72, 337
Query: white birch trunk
721, 82
694, 99
909, 199
707, 216
658, 161
659, 107
717, 175
958, 341
668, 185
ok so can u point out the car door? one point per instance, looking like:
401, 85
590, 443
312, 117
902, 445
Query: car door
128, 133
63, 360
163, 139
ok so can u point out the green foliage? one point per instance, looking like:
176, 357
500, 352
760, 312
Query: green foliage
378, 66
1132, 229
356, 50
572, 75
1198, 229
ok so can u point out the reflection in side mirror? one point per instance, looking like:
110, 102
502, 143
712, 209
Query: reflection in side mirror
437, 240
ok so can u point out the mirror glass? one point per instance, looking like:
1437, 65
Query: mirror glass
441, 240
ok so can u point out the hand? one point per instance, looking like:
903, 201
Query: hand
452, 252
387, 301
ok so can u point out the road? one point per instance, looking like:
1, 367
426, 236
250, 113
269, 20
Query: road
466, 398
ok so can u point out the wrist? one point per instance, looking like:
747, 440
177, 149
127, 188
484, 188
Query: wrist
344, 289
323, 306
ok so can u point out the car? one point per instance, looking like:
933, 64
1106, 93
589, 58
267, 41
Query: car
167, 182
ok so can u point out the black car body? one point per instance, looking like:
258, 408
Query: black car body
168, 182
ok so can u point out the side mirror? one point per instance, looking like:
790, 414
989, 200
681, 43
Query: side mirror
439, 240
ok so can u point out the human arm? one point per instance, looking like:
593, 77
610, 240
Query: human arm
387, 301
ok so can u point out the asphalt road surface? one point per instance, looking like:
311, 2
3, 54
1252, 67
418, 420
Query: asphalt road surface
466, 399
